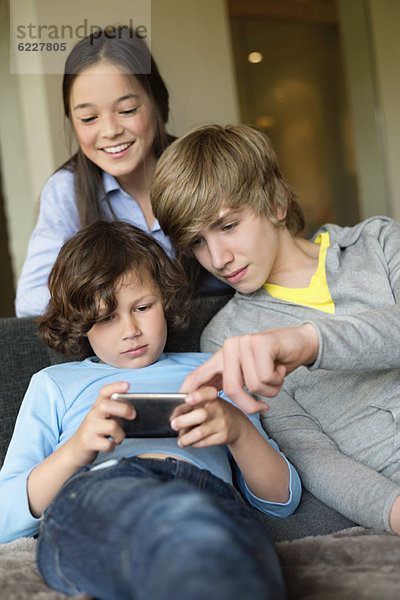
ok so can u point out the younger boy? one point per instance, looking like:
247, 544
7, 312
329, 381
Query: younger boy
136, 518
219, 194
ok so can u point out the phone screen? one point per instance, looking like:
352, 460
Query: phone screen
153, 411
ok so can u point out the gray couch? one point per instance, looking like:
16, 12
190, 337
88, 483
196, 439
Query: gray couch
22, 354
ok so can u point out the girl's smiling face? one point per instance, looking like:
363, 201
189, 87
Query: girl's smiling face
113, 120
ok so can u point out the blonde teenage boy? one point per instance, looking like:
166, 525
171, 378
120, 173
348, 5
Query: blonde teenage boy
327, 306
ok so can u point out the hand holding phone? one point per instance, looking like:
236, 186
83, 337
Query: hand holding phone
153, 411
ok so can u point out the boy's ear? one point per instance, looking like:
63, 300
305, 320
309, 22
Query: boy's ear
281, 213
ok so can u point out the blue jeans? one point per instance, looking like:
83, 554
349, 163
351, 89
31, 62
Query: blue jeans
149, 529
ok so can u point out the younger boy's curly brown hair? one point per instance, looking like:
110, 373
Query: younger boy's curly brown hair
88, 271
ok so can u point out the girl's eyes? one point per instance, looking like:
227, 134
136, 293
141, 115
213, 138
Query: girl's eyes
129, 111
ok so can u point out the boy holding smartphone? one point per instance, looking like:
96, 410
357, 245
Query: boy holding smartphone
136, 518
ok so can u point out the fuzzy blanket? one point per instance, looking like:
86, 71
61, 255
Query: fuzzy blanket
354, 564
19, 577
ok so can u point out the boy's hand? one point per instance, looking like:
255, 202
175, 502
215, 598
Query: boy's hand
99, 432
258, 361
212, 421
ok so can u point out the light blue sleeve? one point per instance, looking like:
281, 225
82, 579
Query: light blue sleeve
58, 221
276, 509
35, 436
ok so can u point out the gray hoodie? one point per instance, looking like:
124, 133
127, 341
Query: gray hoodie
338, 420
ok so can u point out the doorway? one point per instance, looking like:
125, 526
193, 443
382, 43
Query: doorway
291, 85
6, 275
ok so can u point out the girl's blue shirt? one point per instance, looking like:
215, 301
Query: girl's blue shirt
58, 221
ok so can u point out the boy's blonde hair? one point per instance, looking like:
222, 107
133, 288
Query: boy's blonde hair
214, 167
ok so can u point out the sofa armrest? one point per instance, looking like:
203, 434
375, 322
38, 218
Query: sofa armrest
22, 355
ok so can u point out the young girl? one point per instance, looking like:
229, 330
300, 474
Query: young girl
137, 518
117, 104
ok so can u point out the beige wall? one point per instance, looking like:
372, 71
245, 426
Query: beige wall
25, 145
190, 41
371, 43
385, 19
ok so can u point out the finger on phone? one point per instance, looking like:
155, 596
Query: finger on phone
116, 408
201, 395
191, 419
180, 410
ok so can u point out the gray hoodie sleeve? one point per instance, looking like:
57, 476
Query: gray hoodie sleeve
353, 489
370, 339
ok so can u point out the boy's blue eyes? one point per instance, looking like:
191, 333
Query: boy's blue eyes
140, 309
228, 227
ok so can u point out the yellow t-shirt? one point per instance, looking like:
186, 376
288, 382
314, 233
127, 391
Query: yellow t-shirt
317, 294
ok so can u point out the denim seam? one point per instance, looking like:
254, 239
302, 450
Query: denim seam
57, 564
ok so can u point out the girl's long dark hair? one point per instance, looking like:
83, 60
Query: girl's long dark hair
125, 49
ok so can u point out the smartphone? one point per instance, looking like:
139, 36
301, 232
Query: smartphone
153, 412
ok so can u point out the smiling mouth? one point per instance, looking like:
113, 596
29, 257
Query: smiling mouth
116, 149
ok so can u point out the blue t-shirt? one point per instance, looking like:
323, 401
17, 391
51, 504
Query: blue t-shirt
55, 404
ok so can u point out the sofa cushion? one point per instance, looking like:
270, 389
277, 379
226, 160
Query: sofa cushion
312, 517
